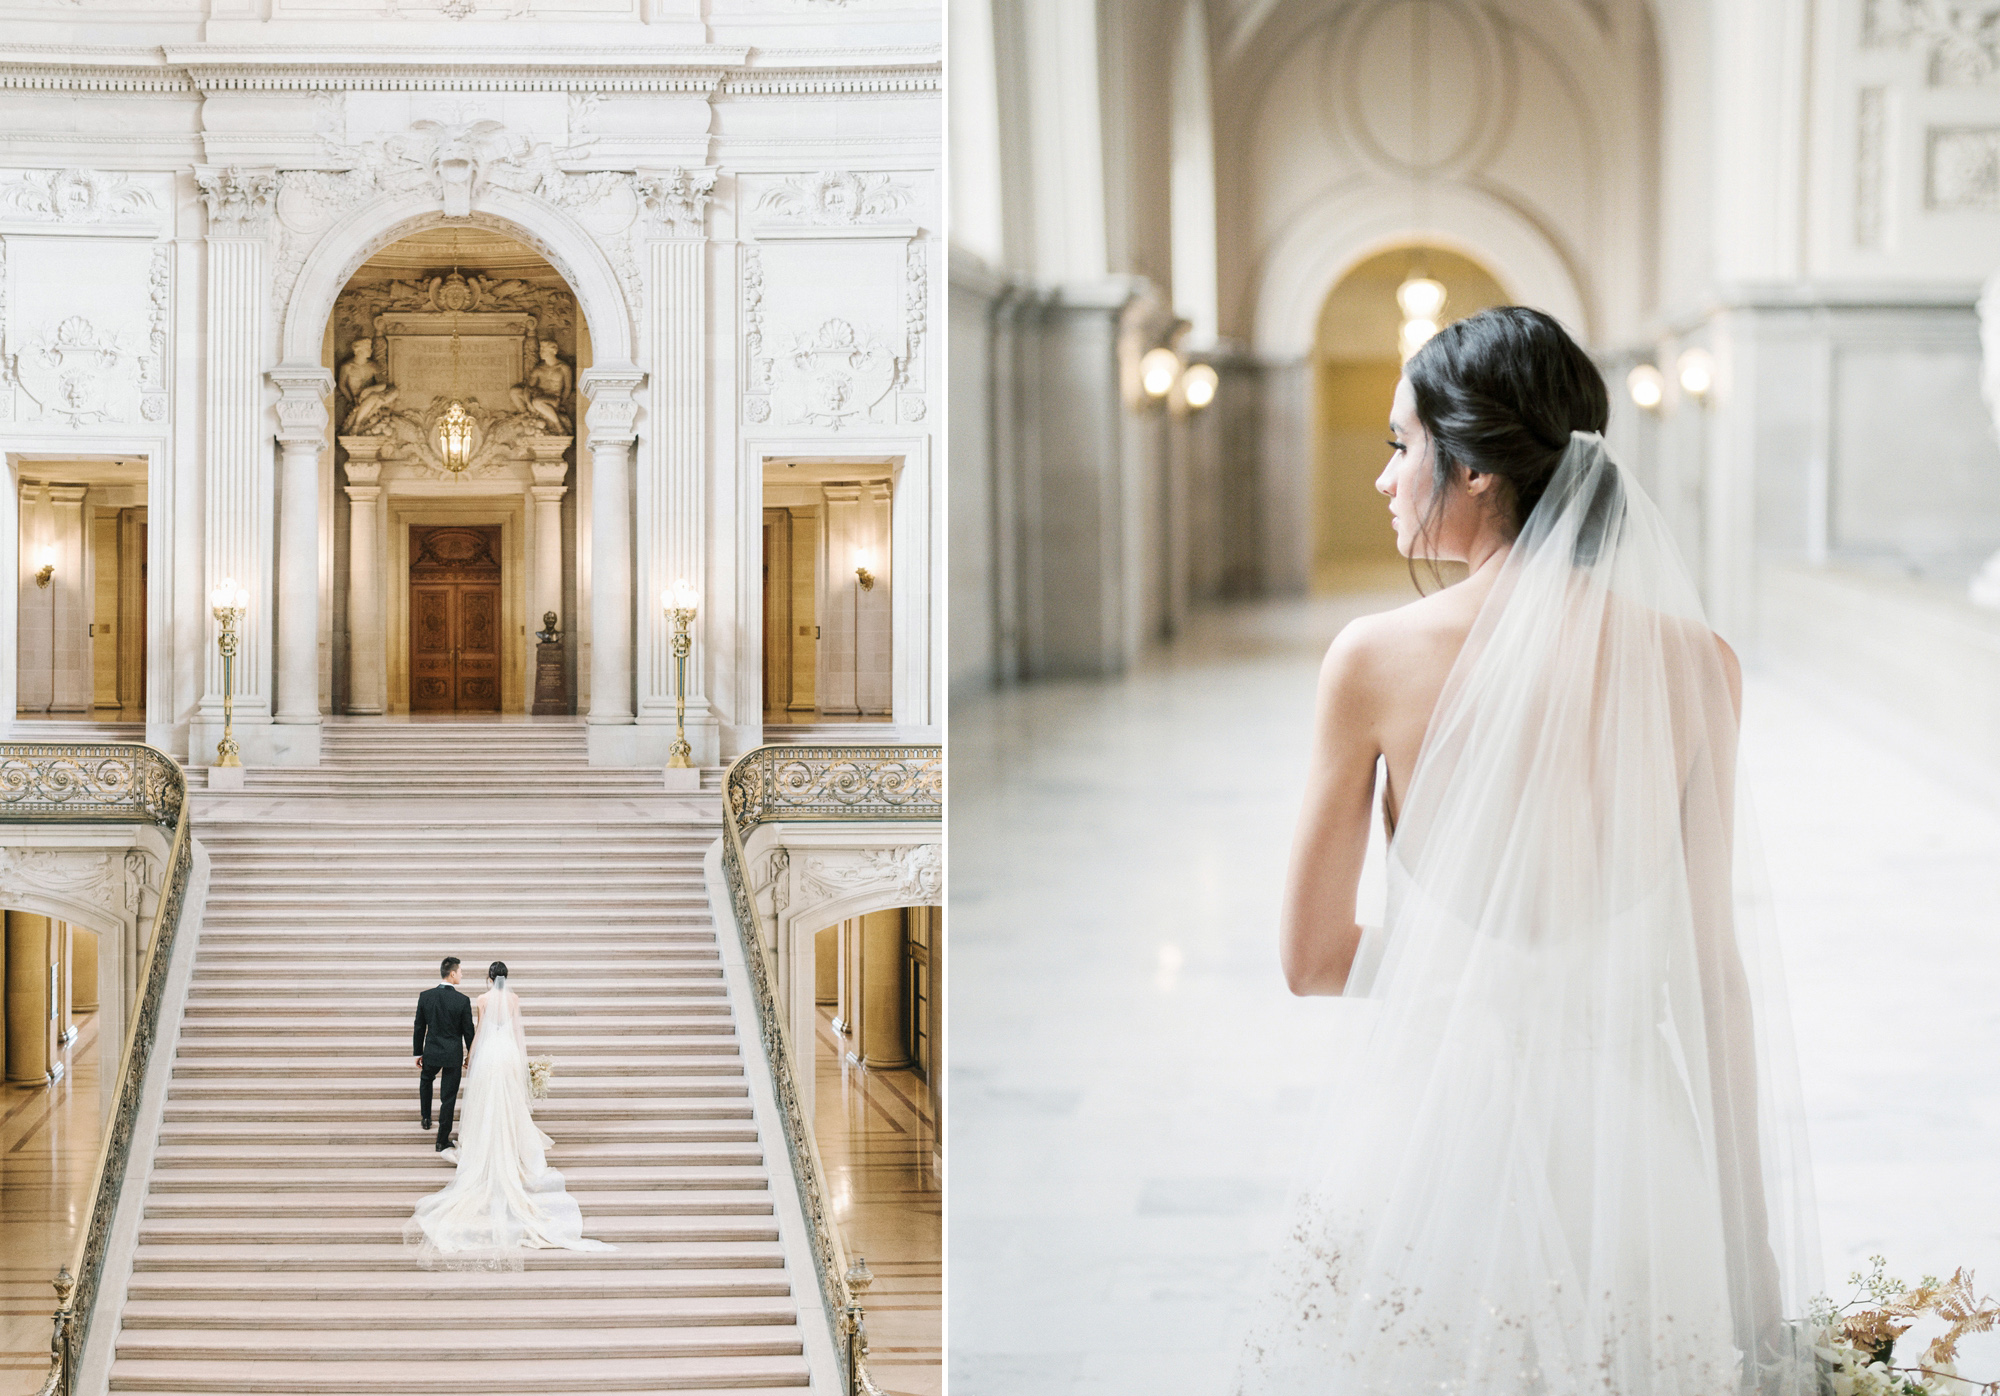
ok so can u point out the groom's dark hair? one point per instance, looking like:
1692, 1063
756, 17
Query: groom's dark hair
450, 964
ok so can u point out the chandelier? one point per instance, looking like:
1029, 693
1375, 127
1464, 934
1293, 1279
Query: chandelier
454, 428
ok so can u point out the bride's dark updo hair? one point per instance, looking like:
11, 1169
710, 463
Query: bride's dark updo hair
1499, 393
497, 970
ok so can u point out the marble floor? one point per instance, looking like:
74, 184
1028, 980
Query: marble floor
48, 1153
1129, 1076
878, 1142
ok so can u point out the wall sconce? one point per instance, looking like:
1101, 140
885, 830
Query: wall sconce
1198, 386
1422, 301
862, 557
1696, 368
1159, 370
48, 567
1647, 385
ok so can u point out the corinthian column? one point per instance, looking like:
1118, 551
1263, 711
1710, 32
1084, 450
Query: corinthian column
612, 419
302, 420
236, 453
367, 690
673, 460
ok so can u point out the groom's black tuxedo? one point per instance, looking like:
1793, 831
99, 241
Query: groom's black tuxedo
442, 1037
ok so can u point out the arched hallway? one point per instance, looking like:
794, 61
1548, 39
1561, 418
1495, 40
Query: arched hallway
1118, 848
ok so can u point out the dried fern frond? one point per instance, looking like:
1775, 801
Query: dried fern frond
1968, 1312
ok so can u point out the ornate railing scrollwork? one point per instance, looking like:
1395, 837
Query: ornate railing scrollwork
105, 783
93, 782
806, 783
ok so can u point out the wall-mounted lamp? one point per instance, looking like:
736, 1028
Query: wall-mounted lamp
1647, 385
1198, 386
48, 567
862, 557
1159, 370
1696, 368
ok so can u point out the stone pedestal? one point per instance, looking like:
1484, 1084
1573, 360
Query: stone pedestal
551, 697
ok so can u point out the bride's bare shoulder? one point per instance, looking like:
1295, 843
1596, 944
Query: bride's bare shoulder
1374, 654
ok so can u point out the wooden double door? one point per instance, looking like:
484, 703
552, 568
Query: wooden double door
455, 619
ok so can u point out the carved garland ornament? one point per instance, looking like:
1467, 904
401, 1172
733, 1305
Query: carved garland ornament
77, 196
836, 198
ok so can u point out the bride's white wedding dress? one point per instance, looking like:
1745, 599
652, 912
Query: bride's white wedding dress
505, 1200
1568, 1155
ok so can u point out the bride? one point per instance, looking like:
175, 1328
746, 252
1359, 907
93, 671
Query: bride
505, 1199
1567, 1155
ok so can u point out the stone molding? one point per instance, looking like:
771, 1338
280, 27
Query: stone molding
107, 888
241, 201
302, 393
707, 70
614, 407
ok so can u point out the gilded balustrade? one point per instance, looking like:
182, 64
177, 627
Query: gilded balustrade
105, 783
817, 783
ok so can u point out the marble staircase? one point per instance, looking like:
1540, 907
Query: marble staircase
270, 1256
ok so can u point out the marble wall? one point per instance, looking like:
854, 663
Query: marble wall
749, 243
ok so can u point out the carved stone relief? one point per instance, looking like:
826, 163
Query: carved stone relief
833, 331
455, 161
914, 875
835, 198
76, 373
1870, 136
82, 877
1964, 169
1961, 37
240, 202
77, 196
504, 349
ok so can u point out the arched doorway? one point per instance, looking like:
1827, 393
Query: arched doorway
1356, 361
444, 565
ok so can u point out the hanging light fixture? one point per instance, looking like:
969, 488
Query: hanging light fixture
454, 429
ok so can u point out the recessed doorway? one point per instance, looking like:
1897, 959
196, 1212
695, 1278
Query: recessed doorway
455, 578
828, 579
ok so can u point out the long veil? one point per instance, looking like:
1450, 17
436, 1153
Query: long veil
1569, 1154
504, 1199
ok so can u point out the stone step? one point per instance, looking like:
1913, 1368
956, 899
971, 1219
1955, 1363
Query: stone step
363, 1257
555, 1111
317, 1231
400, 1087
554, 990
396, 1205
541, 1342
306, 1071
417, 1153
501, 1289
421, 1173
454, 1315
339, 1134
744, 1375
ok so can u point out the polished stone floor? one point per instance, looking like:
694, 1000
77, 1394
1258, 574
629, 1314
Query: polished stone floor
48, 1152
1129, 1076
878, 1142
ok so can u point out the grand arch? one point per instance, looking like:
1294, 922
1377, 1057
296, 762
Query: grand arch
1336, 233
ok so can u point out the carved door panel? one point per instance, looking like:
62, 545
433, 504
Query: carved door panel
478, 607
455, 619
432, 683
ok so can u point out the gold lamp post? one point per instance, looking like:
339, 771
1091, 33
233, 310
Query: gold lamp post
229, 601
680, 601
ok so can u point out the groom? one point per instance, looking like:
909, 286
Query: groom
443, 1039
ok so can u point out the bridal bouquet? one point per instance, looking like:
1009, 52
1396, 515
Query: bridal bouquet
1856, 1341
541, 1070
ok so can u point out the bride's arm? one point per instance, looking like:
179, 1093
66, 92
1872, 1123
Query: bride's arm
1317, 932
